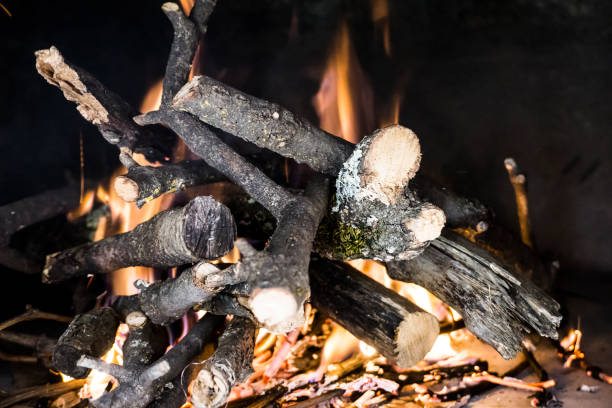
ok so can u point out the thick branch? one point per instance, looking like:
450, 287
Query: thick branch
142, 184
203, 229
200, 13
145, 342
497, 304
91, 333
103, 108
394, 326
203, 142
139, 387
230, 364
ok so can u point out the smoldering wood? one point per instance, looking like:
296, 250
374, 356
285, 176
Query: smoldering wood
263, 123
203, 142
230, 364
497, 304
145, 342
167, 301
103, 108
91, 333
138, 388
390, 323
142, 184
202, 229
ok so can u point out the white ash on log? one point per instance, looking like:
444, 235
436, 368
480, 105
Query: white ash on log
395, 327
103, 108
202, 229
372, 195
230, 364
91, 333
498, 305
139, 387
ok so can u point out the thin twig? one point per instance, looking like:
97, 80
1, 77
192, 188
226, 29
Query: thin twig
34, 314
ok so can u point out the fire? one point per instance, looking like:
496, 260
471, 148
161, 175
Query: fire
380, 17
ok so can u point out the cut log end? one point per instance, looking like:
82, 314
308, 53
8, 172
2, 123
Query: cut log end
136, 320
415, 337
51, 65
276, 309
170, 7
391, 160
428, 225
211, 388
126, 188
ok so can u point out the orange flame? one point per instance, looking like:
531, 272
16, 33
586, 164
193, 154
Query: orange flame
380, 16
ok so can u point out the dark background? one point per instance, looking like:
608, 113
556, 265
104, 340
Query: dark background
481, 81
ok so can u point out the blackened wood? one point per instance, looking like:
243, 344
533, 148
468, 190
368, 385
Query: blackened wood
200, 13
203, 142
167, 301
390, 323
230, 364
138, 388
30, 210
203, 229
142, 184
91, 333
103, 108
182, 51
498, 305
461, 212
145, 343
171, 396
263, 123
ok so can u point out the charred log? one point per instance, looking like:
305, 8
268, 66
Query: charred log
139, 387
103, 108
203, 229
390, 323
230, 364
145, 342
91, 333
498, 305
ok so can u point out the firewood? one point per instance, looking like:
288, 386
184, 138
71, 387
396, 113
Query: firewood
142, 184
498, 305
275, 280
91, 333
371, 196
230, 364
139, 387
145, 342
40, 391
167, 301
391, 324
103, 108
203, 229
41, 345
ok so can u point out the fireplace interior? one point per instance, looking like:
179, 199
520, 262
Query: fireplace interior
366, 203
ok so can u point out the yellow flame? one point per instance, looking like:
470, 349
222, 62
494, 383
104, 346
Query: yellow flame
380, 17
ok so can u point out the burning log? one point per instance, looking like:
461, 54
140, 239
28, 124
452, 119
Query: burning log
371, 196
91, 333
230, 364
103, 108
139, 387
203, 229
145, 342
390, 323
277, 278
167, 301
498, 305
142, 184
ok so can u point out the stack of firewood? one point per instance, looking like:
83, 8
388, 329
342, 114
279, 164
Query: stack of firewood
363, 201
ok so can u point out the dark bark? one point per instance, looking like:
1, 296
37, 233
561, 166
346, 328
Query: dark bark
263, 123
167, 301
498, 305
461, 212
203, 229
391, 324
145, 342
103, 108
41, 345
203, 142
91, 333
230, 364
142, 184
200, 13
182, 51
138, 388
30, 210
